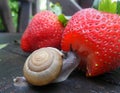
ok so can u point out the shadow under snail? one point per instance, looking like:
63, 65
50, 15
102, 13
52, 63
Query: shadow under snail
47, 65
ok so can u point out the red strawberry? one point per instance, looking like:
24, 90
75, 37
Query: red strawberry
44, 30
95, 36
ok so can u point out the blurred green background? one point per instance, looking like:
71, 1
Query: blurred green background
14, 9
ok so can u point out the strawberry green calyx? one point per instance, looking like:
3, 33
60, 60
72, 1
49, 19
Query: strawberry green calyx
111, 6
63, 19
57, 9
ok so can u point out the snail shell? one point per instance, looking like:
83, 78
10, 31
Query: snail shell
43, 66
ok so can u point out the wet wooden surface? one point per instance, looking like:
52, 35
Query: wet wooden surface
12, 59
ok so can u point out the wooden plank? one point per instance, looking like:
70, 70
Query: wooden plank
85, 3
5, 13
27, 9
9, 37
35, 7
12, 59
24, 16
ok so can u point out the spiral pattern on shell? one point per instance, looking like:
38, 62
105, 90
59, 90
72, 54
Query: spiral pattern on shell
43, 66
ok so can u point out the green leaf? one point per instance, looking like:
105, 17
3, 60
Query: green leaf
56, 8
3, 45
14, 6
118, 7
63, 19
108, 6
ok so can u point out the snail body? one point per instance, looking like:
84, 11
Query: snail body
43, 66
48, 65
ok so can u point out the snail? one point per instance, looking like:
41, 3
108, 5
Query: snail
48, 65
